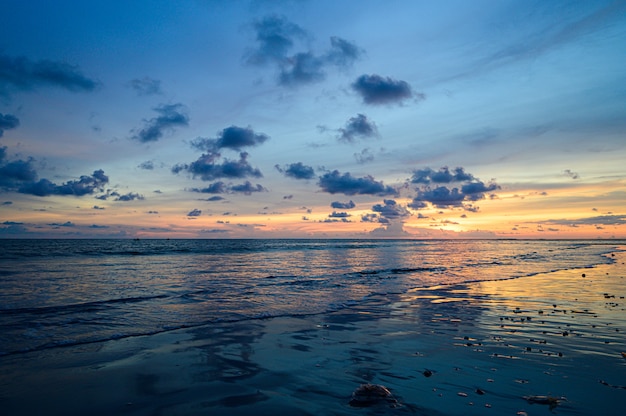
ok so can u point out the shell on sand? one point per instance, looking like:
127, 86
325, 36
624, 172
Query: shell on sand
371, 394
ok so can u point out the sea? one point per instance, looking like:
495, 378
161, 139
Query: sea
62, 293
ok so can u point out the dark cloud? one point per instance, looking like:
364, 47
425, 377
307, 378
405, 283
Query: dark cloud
342, 205
390, 210
215, 198
22, 74
342, 53
14, 174
170, 117
131, 196
302, 68
334, 182
208, 169
375, 89
247, 188
194, 213
8, 122
148, 165
443, 175
276, 37
146, 86
214, 188
336, 214
358, 127
297, 171
86, 185
597, 220
468, 189
232, 137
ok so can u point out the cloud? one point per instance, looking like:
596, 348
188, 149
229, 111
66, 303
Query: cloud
390, 210
247, 188
86, 185
358, 127
22, 74
232, 137
8, 122
194, 213
208, 169
170, 117
597, 220
146, 86
297, 171
468, 189
365, 156
571, 174
215, 188
336, 214
443, 175
129, 197
334, 182
342, 205
376, 90
148, 165
276, 37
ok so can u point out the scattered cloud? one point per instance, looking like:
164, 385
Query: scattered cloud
297, 171
468, 188
148, 165
232, 137
171, 116
342, 205
8, 122
194, 213
391, 210
358, 127
571, 174
146, 86
336, 214
364, 156
131, 196
208, 169
377, 90
86, 185
23, 74
597, 220
247, 188
276, 37
334, 182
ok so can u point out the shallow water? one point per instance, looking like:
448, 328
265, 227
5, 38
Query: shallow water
56, 293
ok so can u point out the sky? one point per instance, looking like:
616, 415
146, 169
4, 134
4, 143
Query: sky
313, 119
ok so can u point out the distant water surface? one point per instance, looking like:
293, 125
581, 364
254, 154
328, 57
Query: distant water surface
67, 292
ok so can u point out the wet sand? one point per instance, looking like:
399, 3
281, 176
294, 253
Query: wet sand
539, 345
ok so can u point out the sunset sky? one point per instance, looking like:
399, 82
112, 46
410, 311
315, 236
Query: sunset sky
237, 119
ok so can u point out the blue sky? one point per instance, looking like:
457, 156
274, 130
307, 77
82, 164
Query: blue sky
313, 119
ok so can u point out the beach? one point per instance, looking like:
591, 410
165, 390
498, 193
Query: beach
549, 343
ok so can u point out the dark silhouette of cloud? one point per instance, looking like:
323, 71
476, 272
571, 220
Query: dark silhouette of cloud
276, 37
336, 214
375, 89
358, 127
247, 188
232, 137
365, 156
170, 117
208, 169
297, 171
342, 205
194, 213
334, 182
443, 175
146, 86
148, 165
390, 210
8, 122
131, 196
215, 188
22, 74
468, 189
84, 186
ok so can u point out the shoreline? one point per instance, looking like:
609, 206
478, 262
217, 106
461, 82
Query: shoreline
471, 348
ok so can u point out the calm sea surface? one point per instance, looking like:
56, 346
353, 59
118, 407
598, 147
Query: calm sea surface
55, 293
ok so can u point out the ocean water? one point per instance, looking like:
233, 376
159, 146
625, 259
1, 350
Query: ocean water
57, 293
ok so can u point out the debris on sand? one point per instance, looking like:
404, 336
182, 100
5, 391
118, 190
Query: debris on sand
372, 394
